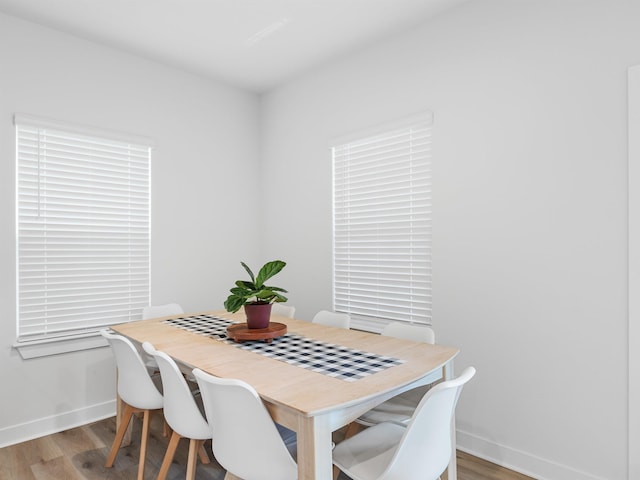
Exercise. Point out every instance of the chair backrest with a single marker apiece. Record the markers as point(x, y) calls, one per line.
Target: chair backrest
point(246, 441)
point(332, 319)
point(135, 386)
point(425, 446)
point(284, 310)
point(407, 331)
point(180, 408)
point(155, 311)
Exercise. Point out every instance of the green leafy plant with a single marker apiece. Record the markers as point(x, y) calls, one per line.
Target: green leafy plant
point(255, 291)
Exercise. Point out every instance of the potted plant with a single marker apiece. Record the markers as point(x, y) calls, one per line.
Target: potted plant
point(255, 296)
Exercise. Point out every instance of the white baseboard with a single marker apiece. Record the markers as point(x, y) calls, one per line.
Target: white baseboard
point(511, 458)
point(517, 460)
point(56, 423)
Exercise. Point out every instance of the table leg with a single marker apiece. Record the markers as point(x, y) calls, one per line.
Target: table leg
point(314, 449)
point(452, 470)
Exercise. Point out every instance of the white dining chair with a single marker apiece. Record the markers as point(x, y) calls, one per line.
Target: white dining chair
point(283, 310)
point(138, 393)
point(246, 440)
point(332, 319)
point(400, 408)
point(157, 311)
point(182, 413)
point(409, 331)
point(419, 451)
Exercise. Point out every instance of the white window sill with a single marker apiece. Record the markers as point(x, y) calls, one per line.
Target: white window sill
point(372, 325)
point(369, 325)
point(56, 346)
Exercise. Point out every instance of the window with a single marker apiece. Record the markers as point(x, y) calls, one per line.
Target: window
point(382, 225)
point(82, 229)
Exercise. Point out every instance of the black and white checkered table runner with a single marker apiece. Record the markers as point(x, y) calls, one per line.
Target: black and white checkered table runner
point(209, 325)
point(329, 359)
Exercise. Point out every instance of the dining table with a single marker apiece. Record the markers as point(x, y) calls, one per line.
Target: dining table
point(313, 379)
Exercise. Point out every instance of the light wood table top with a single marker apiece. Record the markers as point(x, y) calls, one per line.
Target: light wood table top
point(311, 403)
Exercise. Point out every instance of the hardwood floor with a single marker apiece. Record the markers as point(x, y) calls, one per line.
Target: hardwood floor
point(80, 454)
point(474, 468)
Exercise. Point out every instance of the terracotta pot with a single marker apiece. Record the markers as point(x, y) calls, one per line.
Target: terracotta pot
point(258, 315)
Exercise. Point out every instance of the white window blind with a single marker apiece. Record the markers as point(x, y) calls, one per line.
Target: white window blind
point(83, 229)
point(382, 226)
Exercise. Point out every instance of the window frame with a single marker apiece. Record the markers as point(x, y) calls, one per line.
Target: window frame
point(375, 323)
point(84, 336)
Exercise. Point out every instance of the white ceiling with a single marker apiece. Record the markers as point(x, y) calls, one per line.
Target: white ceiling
point(254, 44)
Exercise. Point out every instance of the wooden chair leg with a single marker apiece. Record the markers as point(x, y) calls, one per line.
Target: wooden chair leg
point(168, 456)
point(352, 429)
point(202, 453)
point(231, 476)
point(192, 459)
point(143, 444)
point(122, 430)
point(120, 406)
point(336, 472)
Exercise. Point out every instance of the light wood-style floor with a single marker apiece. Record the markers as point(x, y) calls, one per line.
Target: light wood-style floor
point(80, 454)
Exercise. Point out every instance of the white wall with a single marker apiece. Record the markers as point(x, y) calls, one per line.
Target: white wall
point(530, 166)
point(206, 150)
point(529, 99)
